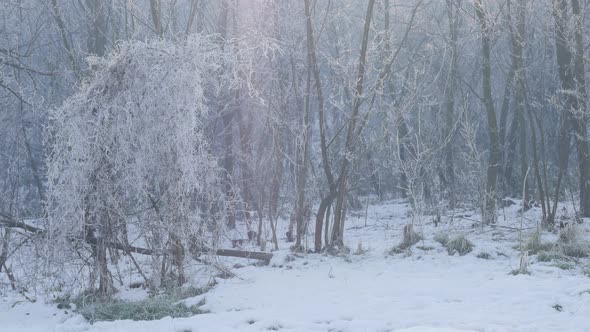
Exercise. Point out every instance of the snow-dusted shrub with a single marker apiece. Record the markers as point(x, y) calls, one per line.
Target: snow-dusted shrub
point(578, 249)
point(565, 252)
point(516, 272)
point(128, 153)
point(360, 250)
point(564, 265)
point(547, 256)
point(570, 245)
point(523, 267)
point(409, 237)
point(425, 248)
point(524, 262)
point(155, 307)
point(441, 238)
point(568, 234)
point(535, 244)
point(484, 255)
point(459, 245)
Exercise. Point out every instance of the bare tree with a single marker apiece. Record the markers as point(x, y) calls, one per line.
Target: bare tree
point(489, 203)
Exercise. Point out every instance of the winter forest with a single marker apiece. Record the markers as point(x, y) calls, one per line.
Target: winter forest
point(294, 165)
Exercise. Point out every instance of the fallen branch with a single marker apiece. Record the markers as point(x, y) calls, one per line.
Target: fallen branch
point(262, 256)
point(19, 224)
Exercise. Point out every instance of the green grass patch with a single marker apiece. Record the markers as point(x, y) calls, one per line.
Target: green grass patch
point(564, 265)
point(535, 244)
point(425, 248)
point(574, 249)
point(516, 272)
point(94, 308)
point(547, 256)
point(459, 245)
point(484, 255)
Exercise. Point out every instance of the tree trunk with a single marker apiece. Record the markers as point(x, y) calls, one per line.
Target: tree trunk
point(156, 11)
point(511, 186)
point(581, 116)
point(518, 41)
point(374, 175)
point(495, 158)
point(313, 64)
point(349, 146)
point(403, 149)
point(571, 74)
point(97, 27)
point(453, 16)
point(227, 117)
point(302, 161)
point(322, 212)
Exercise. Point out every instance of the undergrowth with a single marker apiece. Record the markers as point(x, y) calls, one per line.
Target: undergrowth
point(460, 245)
point(168, 303)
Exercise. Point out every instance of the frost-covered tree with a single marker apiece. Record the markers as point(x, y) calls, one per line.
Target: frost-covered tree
point(128, 154)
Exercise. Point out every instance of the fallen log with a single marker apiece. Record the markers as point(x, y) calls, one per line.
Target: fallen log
point(262, 256)
point(257, 255)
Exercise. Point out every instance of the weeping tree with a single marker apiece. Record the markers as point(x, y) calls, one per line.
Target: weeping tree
point(128, 156)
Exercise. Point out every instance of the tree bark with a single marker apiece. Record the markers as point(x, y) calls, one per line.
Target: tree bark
point(518, 41)
point(349, 147)
point(313, 64)
point(227, 118)
point(495, 158)
point(581, 116)
point(453, 17)
point(156, 12)
point(97, 27)
point(64, 36)
point(571, 74)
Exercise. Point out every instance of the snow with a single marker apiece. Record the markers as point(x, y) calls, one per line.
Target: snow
point(425, 291)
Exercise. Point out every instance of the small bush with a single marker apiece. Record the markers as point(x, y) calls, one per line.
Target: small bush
point(564, 265)
point(484, 255)
point(425, 248)
point(524, 263)
point(574, 249)
point(569, 245)
point(535, 244)
point(360, 250)
point(516, 272)
point(459, 245)
point(396, 250)
point(547, 256)
point(409, 237)
point(441, 238)
point(568, 234)
point(399, 251)
point(523, 267)
point(337, 251)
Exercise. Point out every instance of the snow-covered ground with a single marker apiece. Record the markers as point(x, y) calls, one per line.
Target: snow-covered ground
point(417, 291)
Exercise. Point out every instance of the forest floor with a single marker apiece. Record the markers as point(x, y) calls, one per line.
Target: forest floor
point(417, 290)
